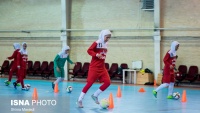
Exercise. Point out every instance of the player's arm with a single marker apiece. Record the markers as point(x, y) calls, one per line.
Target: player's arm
point(13, 55)
point(55, 60)
point(69, 60)
point(55, 63)
point(166, 61)
point(91, 49)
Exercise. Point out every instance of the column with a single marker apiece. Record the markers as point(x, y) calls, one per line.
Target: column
point(66, 24)
point(157, 38)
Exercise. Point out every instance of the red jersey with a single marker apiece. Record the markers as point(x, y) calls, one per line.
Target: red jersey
point(169, 60)
point(14, 56)
point(93, 50)
point(22, 60)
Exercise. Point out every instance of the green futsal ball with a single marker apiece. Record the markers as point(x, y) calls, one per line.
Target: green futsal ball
point(104, 103)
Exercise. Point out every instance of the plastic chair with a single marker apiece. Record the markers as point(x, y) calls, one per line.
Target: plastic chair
point(192, 74)
point(75, 70)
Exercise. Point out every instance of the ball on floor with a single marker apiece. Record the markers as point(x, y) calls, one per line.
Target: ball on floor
point(176, 95)
point(69, 89)
point(104, 103)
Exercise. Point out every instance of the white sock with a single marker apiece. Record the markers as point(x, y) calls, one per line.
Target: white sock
point(81, 96)
point(170, 88)
point(59, 79)
point(96, 94)
point(162, 86)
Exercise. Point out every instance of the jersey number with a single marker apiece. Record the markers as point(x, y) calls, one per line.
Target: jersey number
point(100, 44)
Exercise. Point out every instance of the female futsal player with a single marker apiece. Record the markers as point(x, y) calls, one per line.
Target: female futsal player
point(97, 70)
point(59, 63)
point(14, 65)
point(168, 72)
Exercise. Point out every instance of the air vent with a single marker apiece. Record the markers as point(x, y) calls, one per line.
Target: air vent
point(148, 5)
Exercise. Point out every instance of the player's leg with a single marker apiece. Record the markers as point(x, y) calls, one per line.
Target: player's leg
point(59, 78)
point(104, 77)
point(19, 74)
point(62, 74)
point(171, 87)
point(15, 69)
point(22, 79)
point(159, 88)
point(166, 81)
point(12, 69)
point(90, 80)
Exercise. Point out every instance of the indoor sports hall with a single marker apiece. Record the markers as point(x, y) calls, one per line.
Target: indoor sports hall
point(99, 56)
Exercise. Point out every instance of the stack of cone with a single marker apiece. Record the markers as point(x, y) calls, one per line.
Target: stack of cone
point(155, 83)
point(56, 88)
point(119, 94)
point(111, 103)
point(141, 90)
point(35, 95)
point(184, 98)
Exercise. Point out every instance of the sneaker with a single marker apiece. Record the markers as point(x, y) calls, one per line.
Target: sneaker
point(7, 83)
point(95, 99)
point(15, 85)
point(25, 88)
point(18, 84)
point(169, 97)
point(79, 103)
point(155, 93)
point(53, 85)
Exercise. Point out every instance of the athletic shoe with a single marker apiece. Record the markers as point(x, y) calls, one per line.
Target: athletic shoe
point(7, 83)
point(53, 85)
point(25, 88)
point(95, 99)
point(15, 85)
point(18, 84)
point(79, 103)
point(155, 93)
point(169, 97)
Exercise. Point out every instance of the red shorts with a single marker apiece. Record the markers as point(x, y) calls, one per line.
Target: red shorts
point(98, 74)
point(168, 78)
point(168, 75)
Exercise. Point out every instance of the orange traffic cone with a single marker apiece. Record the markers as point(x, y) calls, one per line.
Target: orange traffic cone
point(119, 94)
point(56, 88)
point(141, 90)
point(35, 95)
point(184, 98)
point(111, 103)
point(155, 83)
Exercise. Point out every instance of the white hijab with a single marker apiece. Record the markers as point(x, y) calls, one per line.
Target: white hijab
point(16, 45)
point(172, 51)
point(62, 53)
point(22, 50)
point(100, 42)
